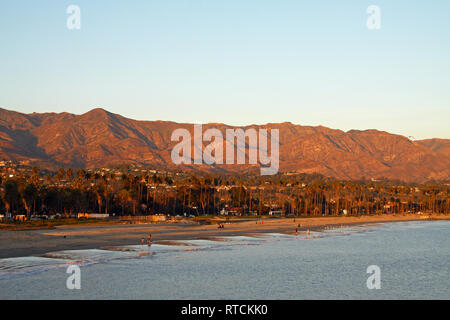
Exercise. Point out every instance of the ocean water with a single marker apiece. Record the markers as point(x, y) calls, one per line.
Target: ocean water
point(414, 259)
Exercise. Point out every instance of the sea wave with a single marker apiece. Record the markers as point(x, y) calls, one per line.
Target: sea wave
point(22, 266)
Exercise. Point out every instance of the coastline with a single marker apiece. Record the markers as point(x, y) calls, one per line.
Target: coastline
point(95, 236)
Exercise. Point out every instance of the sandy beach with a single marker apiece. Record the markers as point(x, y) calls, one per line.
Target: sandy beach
point(71, 237)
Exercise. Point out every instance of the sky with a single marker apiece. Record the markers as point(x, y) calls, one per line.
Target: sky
point(238, 62)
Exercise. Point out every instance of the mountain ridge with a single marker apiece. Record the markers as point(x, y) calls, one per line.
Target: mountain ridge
point(100, 138)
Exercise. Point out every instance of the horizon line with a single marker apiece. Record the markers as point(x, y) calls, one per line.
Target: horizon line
point(411, 138)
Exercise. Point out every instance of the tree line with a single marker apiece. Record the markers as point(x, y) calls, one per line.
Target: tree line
point(70, 191)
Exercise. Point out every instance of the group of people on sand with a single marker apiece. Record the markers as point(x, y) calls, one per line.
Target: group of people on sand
point(221, 226)
point(149, 240)
point(299, 226)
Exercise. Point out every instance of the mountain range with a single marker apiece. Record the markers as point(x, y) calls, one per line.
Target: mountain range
point(100, 138)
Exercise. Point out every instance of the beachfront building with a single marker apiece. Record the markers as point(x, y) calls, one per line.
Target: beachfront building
point(276, 213)
point(92, 215)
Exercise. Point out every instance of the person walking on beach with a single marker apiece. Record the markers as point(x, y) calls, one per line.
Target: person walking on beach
point(296, 231)
point(143, 240)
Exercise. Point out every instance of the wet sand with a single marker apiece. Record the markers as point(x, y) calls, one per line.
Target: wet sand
point(74, 237)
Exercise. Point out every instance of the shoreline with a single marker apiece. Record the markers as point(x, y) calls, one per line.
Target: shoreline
point(78, 237)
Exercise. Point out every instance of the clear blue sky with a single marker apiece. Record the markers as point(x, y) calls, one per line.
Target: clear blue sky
point(233, 61)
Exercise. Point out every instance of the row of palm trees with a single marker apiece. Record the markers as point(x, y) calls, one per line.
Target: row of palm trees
point(71, 191)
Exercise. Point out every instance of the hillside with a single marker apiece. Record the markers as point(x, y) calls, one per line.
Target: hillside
point(100, 138)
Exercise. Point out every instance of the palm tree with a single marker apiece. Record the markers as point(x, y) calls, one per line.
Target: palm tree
point(98, 190)
point(124, 197)
point(10, 195)
point(28, 195)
